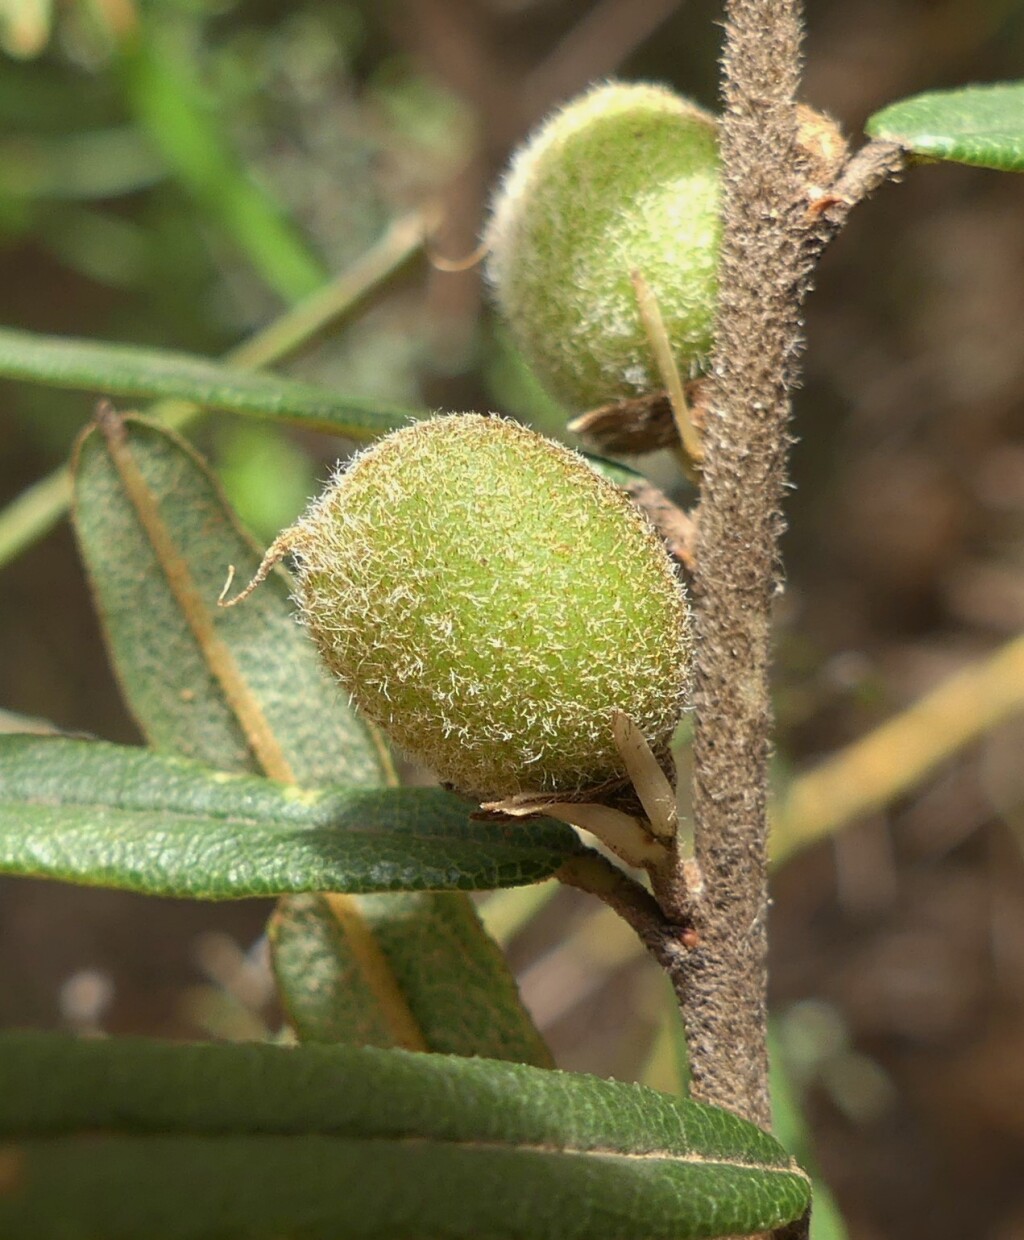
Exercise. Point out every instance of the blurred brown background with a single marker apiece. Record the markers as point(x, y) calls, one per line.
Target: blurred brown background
point(898, 943)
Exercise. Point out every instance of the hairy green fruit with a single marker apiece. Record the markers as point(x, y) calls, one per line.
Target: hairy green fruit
point(489, 601)
point(625, 179)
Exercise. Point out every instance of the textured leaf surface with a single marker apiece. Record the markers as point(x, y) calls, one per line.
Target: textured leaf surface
point(108, 815)
point(475, 1004)
point(138, 1139)
point(151, 609)
point(123, 370)
point(182, 708)
point(978, 125)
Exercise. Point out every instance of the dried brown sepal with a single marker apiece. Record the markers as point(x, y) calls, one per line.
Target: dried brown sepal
point(644, 424)
point(625, 835)
point(629, 427)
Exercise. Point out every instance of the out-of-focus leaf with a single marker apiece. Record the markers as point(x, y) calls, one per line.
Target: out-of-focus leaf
point(315, 738)
point(108, 815)
point(28, 516)
point(167, 99)
point(978, 125)
point(668, 1060)
point(12, 721)
point(123, 370)
point(190, 1142)
point(790, 1127)
point(25, 26)
point(614, 471)
point(100, 163)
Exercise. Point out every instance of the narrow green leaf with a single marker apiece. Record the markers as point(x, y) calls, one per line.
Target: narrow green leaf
point(33, 513)
point(622, 475)
point(421, 937)
point(29, 515)
point(113, 816)
point(181, 707)
point(171, 1142)
point(325, 993)
point(162, 665)
point(146, 374)
point(978, 125)
point(13, 721)
point(482, 1008)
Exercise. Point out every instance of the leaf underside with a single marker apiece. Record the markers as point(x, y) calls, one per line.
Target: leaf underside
point(978, 125)
point(449, 974)
point(194, 1142)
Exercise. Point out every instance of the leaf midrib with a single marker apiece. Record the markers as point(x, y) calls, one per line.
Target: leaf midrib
point(193, 817)
point(692, 1158)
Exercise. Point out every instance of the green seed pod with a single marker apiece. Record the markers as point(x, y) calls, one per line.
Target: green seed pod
point(624, 179)
point(489, 601)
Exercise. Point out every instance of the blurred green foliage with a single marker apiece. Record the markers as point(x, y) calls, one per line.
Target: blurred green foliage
point(177, 173)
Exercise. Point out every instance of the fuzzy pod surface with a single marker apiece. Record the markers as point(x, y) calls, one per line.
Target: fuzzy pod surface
point(625, 178)
point(489, 601)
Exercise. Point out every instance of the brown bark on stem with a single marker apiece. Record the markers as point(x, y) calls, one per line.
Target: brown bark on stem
point(745, 442)
point(706, 926)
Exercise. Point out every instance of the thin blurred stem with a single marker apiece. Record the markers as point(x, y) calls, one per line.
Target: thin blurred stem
point(596, 46)
point(300, 324)
point(36, 510)
point(880, 766)
point(34, 513)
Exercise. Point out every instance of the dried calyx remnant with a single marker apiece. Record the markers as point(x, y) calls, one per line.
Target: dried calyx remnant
point(621, 185)
point(492, 604)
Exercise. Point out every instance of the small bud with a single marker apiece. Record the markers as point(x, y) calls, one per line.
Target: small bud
point(622, 181)
point(490, 602)
point(821, 148)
